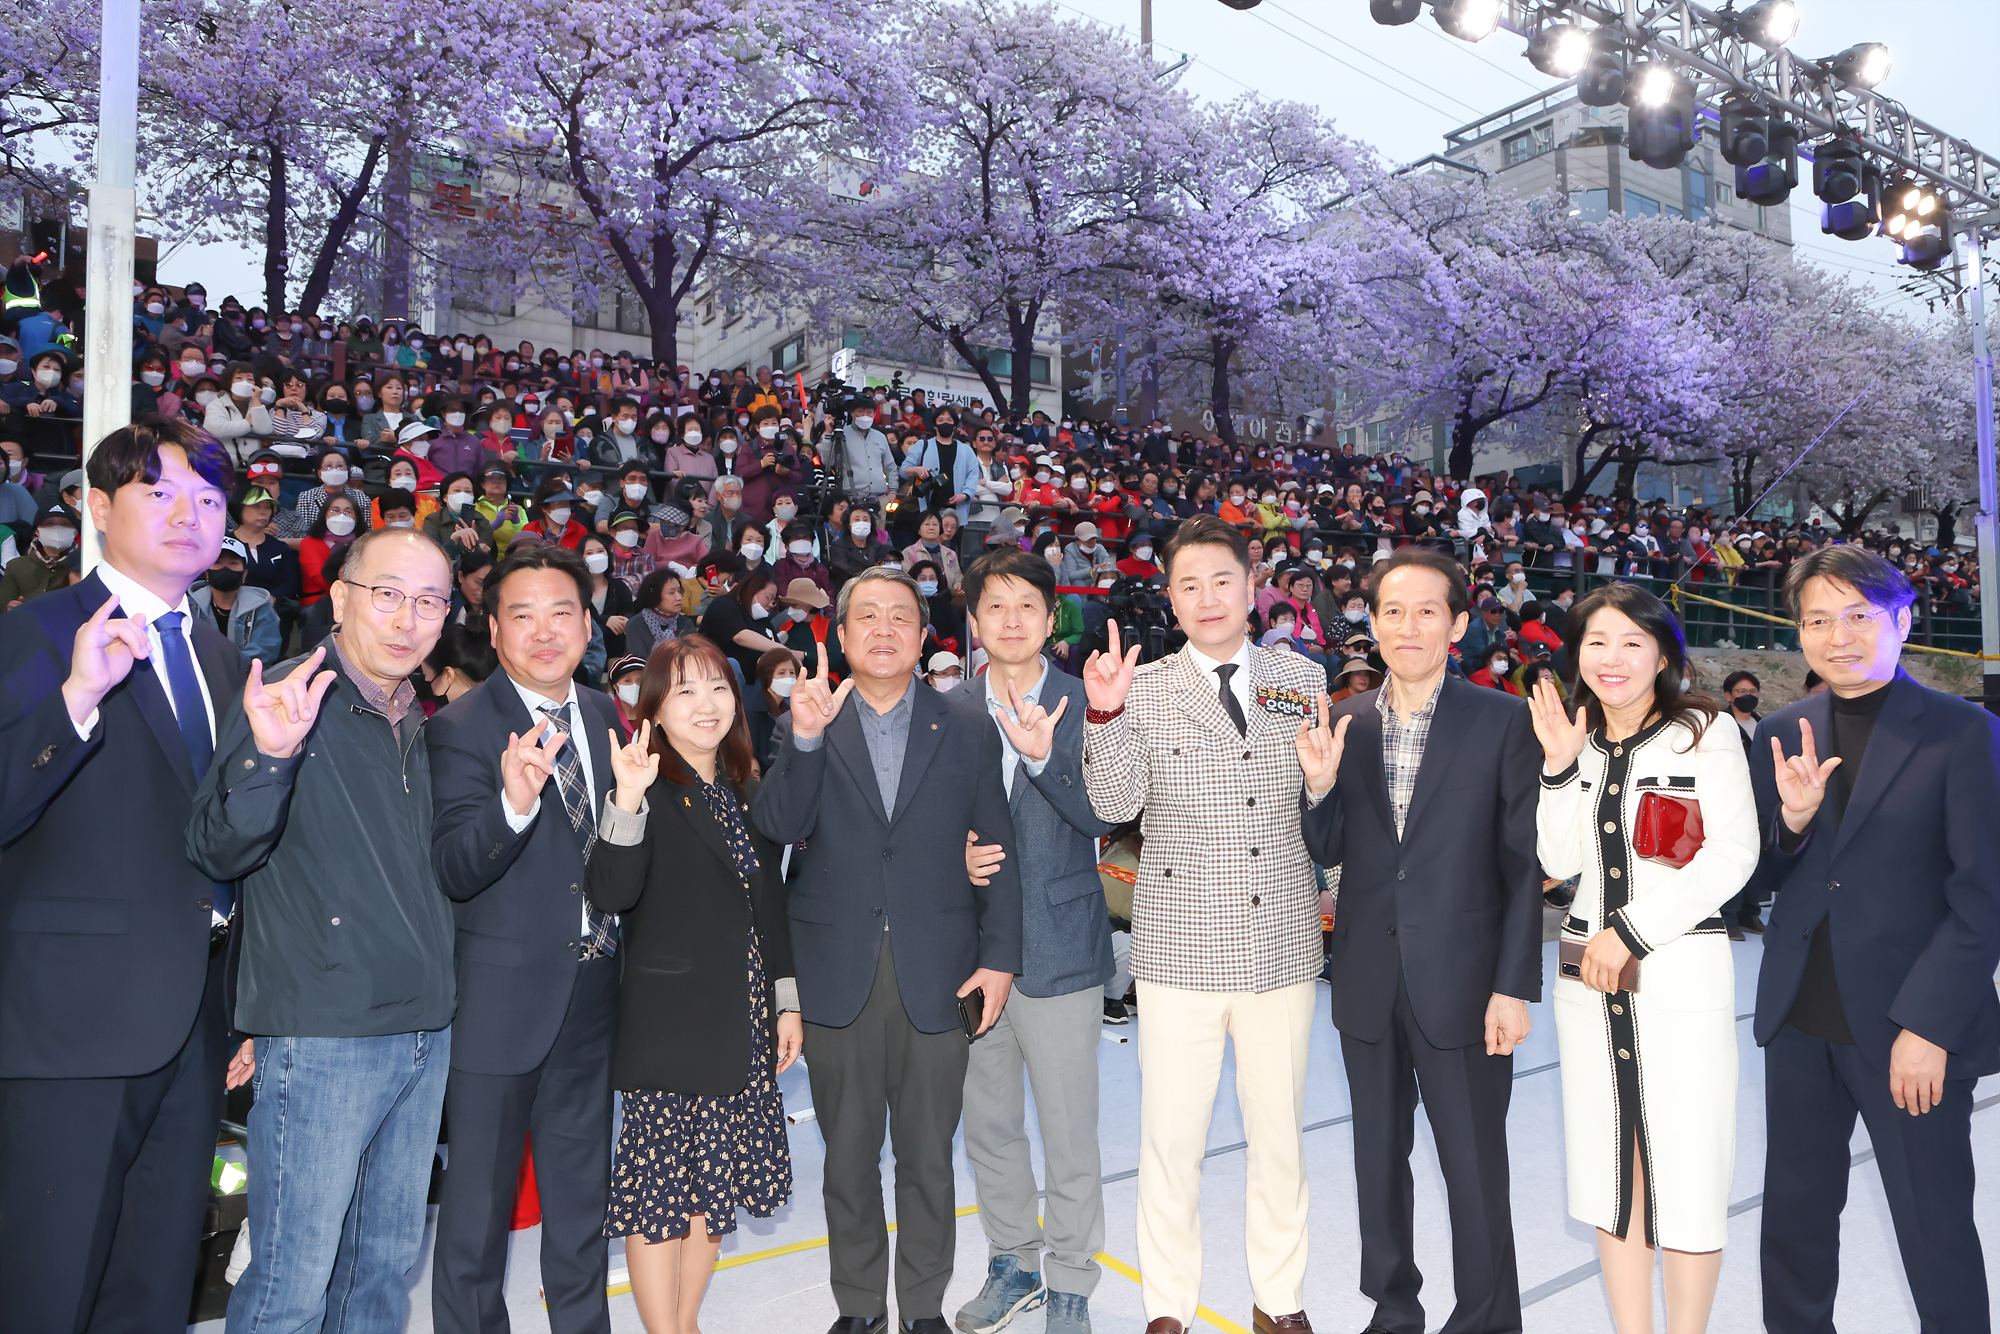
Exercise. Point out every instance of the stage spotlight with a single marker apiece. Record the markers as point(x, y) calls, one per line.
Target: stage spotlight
point(1744, 132)
point(1602, 83)
point(1836, 171)
point(1467, 20)
point(1243, 4)
point(1394, 12)
point(1907, 208)
point(1770, 181)
point(1926, 248)
point(1662, 125)
point(1769, 23)
point(1561, 50)
point(1856, 217)
point(1860, 66)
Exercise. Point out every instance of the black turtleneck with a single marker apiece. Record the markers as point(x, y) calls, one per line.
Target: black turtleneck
point(1817, 1009)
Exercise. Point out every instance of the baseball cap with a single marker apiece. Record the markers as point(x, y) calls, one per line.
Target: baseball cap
point(631, 662)
point(1086, 532)
point(943, 660)
point(232, 547)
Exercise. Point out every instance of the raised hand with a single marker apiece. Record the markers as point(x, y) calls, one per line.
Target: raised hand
point(1035, 734)
point(1801, 779)
point(1107, 676)
point(1562, 736)
point(103, 655)
point(981, 859)
point(1320, 747)
point(525, 766)
point(634, 767)
point(814, 702)
point(281, 714)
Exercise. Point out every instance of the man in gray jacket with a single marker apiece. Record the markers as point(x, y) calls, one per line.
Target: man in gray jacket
point(865, 463)
point(1055, 1013)
point(319, 802)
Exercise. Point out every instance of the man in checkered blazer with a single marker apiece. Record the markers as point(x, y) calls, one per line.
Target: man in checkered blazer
point(1225, 917)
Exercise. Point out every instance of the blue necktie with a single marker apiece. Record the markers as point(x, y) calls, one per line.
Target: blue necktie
point(192, 714)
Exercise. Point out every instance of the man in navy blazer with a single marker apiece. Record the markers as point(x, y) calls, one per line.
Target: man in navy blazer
point(888, 934)
point(520, 768)
point(1055, 1014)
point(113, 948)
point(1880, 804)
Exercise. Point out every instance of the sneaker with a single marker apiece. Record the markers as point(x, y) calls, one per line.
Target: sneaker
point(1067, 1313)
point(1009, 1291)
point(1115, 1012)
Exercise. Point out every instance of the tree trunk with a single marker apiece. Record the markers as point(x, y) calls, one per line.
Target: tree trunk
point(396, 225)
point(277, 203)
point(1742, 473)
point(338, 230)
point(1628, 474)
point(1219, 351)
point(1947, 522)
point(955, 335)
point(1464, 430)
point(1149, 381)
point(1021, 321)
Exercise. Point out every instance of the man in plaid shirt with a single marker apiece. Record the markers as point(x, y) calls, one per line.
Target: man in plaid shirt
point(1204, 747)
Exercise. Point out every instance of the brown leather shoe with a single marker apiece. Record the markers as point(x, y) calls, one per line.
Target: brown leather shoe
point(1166, 1324)
point(1295, 1323)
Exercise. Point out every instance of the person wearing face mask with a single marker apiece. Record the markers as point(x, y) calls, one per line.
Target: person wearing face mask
point(772, 463)
point(18, 502)
point(931, 546)
point(149, 385)
point(950, 631)
point(42, 399)
point(690, 455)
point(857, 550)
point(554, 521)
point(1085, 560)
point(455, 448)
point(243, 612)
point(44, 565)
point(740, 620)
point(613, 599)
point(944, 468)
point(777, 674)
point(336, 478)
point(631, 561)
point(622, 681)
point(630, 488)
point(861, 454)
point(944, 672)
point(1739, 689)
point(403, 490)
point(798, 560)
point(462, 659)
point(456, 524)
point(235, 416)
point(751, 545)
point(784, 512)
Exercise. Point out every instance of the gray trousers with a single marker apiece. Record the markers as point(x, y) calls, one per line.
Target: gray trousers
point(881, 1068)
point(1054, 1039)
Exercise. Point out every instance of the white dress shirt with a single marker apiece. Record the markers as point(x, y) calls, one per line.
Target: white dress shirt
point(1240, 682)
point(533, 701)
point(1011, 759)
point(134, 600)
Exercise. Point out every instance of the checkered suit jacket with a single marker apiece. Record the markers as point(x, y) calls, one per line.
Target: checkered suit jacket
point(1225, 899)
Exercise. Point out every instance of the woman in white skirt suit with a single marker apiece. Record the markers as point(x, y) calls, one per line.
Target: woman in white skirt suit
point(1649, 1075)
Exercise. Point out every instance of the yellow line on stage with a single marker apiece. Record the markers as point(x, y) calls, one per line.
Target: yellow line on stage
point(1111, 1262)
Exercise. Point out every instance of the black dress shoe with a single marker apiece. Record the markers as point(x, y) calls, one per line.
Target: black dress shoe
point(930, 1324)
point(860, 1324)
point(1752, 923)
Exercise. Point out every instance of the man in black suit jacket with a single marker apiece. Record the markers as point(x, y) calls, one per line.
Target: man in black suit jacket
point(1437, 945)
point(1876, 994)
point(517, 794)
point(113, 947)
point(888, 931)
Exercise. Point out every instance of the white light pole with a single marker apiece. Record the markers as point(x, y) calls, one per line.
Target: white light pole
point(1989, 502)
point(113, 224)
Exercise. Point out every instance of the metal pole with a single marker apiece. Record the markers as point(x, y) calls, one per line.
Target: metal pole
point(113, 222)
point(1989, 503)
point(1146, 28)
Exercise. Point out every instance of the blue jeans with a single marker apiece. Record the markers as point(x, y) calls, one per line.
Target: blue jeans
point(341, 1140)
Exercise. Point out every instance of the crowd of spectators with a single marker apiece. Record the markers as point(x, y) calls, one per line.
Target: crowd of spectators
point(737, 500)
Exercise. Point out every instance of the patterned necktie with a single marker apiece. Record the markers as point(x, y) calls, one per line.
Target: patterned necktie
point(192, 714)
point(1230, 705)
point(600, 929)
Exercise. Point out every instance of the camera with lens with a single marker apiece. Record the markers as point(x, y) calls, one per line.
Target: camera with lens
point(1140, 605)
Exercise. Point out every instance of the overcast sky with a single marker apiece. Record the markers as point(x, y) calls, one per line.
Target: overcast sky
point(1402, 88)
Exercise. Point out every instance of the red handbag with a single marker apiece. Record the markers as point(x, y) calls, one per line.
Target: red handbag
point(1668, 829)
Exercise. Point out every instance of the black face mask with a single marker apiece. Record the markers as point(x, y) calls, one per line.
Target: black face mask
point(946, 430)
point(225, 581)
point(1744, 703)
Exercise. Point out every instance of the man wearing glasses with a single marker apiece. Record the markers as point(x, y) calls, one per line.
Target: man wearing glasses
point(1876, 998)
point(319, 804)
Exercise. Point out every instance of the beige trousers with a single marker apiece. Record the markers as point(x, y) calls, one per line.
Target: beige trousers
point(1181, 1034)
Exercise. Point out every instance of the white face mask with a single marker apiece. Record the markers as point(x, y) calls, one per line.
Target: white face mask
point(768, 432)
point(340, 525)
point(752, 553)
point(403, 483)
point(661, 436)
point(458, 500)
point(786, 513)
point(334, 476)
point(1079, 484)
point(47, 376)
point(802, 550)
point(1142, 553)
point(151, 379)
point(419, 448)
point(760, 613)
point(190, 370)
point(205, 397)
point(242, 389)
point(861, 527)
point(58, 538)
point(454, 419)
point(864, 420)
point(626, 538)
point(156, 308)
point(730, 501)
point(559, 518)
point(628, 692)
point(946, 684)
point(727, 446)
point(597, 562)
point(635, 492)
point(781, 686)
point(267, 396)
point(691, 436)
point(1042, 478)
point(15, 467)
point(401, 523)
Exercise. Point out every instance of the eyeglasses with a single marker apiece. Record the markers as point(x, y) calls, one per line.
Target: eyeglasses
point(387, 599)
point(1857, 623)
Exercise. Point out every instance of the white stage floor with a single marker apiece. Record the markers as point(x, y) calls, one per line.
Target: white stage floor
point(773, 1272)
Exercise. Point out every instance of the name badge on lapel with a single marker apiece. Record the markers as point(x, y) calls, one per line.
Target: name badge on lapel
point(1283, 703)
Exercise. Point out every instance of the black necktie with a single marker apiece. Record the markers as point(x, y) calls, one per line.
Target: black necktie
point(191, 712)
point(1229, 704)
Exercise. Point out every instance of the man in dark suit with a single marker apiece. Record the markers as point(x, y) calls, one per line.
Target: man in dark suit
point(1437, 947)
point(519, 769)
point(889, 934)
point(1876, 993)
point(113, 947)
point(1053, 1022)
